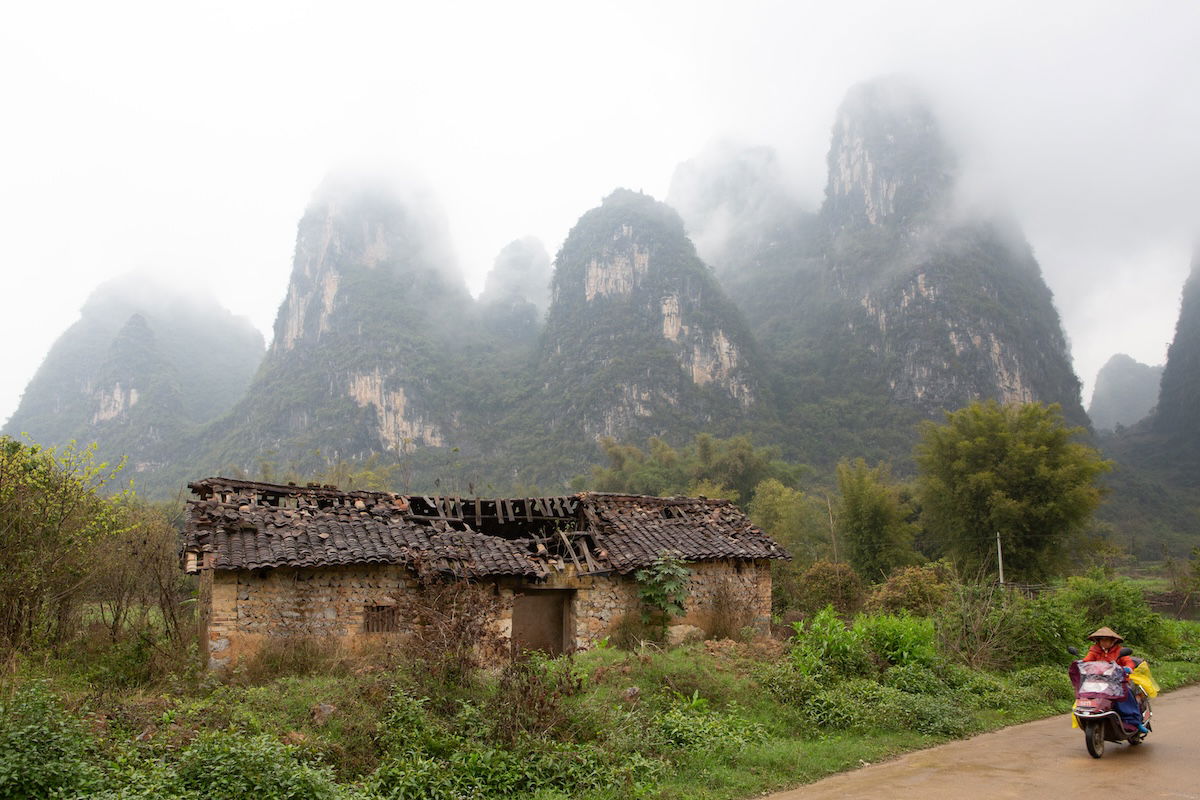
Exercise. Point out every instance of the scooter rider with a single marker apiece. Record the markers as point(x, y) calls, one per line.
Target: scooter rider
point(1106, 646)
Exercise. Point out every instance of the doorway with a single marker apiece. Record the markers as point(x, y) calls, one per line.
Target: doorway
point(541, 620)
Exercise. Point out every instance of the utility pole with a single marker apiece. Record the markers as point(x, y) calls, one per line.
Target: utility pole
point(1000, 557)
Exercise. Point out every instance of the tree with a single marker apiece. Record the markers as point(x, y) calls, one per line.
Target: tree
point(797, 522)
point(873, 521)
point(1012, 470)
point(51, 521)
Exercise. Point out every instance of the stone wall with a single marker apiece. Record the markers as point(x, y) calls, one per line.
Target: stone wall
point(247, 607)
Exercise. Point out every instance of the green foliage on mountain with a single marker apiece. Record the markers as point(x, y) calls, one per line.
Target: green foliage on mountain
point(142, 369)
point(1178, 413)
point(1155, 490)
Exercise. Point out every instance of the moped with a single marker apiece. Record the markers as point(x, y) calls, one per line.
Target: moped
point(1098, 686)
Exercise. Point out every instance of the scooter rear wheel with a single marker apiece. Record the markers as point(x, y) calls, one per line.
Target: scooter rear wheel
point(1093, 737)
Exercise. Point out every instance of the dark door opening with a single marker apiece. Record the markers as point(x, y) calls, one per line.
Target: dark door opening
point(540, 621)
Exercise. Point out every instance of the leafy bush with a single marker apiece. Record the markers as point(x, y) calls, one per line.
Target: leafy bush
point(783, 681)
point(1045, 684)
point(827, 583)
point(914, 678)
point(1120, 605)
point(919, 590)
point(825, 645)
point(43, 749)
point(897, 639)
point(662, 587)
point(689, 725)
point(1042, 628)
point(225, 765)
point(530, 694)
point(936, 715)
point(858, 703)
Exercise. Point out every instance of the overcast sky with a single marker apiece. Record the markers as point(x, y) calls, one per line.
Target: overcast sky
point(186, 139)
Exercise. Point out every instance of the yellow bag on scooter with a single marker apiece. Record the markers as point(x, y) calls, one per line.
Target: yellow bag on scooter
point(1141, 676)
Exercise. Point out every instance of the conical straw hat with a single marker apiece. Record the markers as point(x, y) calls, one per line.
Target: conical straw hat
point(1108, 633)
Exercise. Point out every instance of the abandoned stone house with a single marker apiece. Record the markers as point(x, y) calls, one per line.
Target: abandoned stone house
point(280, 561)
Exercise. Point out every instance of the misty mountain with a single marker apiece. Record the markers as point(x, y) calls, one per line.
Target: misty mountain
point(1125, 392)
point(733, 201)
point(1153, 499)
point(516, 292)
point(143, 366)
point(367, 340)
point(888, 305)
point(640, 339)
point(1178, 414)
point(829, 332)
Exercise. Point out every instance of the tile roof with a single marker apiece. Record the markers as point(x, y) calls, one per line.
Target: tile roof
point(236, 524)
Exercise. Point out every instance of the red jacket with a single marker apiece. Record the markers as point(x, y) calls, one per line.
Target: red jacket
point(1096, 653)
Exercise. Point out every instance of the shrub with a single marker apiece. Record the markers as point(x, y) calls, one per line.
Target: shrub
point(783, 681)
point(1045, 684)
point(1042, 628)
point(976, 628)
point(935, 715)
point(919, 590)
point(824, 645)
point(689, 725)
point(662, 588)
point(225, 765)
point(454, 630)
point(827, 583)
point(857, 703)
point(898, 639)
point(1120, 605)
point(43, 749)
point(530, 694)
point(915, 678)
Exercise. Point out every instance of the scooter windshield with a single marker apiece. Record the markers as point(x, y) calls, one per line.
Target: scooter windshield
point(1098, 679)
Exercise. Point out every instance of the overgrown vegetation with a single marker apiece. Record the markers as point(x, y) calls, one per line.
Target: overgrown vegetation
point(715, 719)
point(102, 697)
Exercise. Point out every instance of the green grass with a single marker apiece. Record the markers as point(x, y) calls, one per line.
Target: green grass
point(701, 722)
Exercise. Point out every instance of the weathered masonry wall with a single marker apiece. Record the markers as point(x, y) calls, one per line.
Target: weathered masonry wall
point(247, 607)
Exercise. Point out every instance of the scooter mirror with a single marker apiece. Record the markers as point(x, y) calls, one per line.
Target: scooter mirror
point(1073, 651)
point(1126, 651)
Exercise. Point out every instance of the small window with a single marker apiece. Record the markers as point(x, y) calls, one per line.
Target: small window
point(381, 619)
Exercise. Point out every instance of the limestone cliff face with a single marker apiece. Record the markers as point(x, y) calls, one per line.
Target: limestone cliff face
point(640, 319)
point(374, 313)
point(971, 319)
point(888, 161)
point(357, 225)
point(883, 306)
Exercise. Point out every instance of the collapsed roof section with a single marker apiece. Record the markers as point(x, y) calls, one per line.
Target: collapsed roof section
point(234, 524)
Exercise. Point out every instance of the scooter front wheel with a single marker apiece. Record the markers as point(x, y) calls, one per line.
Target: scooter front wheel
point(1093, 737)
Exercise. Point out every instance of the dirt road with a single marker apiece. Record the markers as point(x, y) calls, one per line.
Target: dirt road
point(1043, 759)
